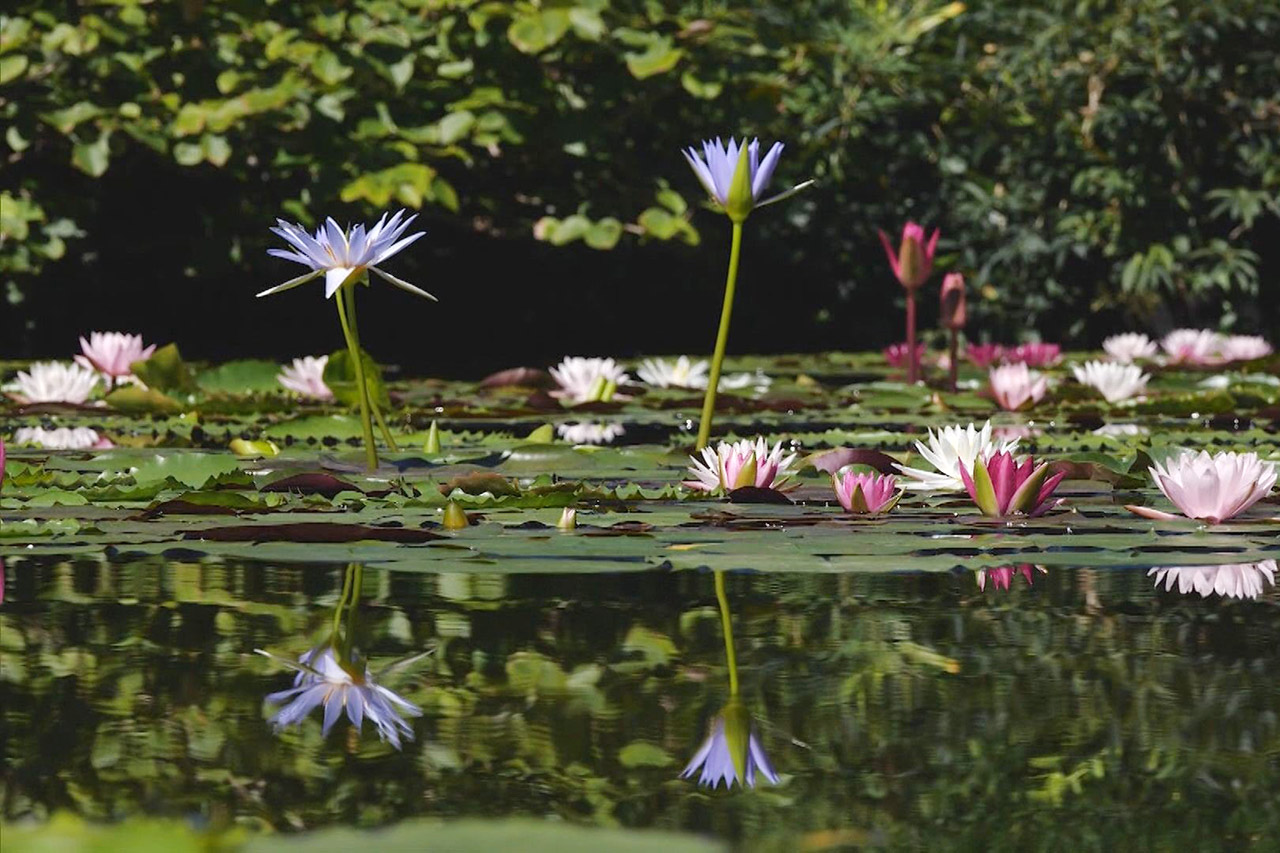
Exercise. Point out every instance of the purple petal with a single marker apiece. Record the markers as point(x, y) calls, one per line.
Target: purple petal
point(764, 174)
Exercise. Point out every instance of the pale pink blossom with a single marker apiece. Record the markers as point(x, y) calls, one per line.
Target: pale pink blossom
point(1210, 488)
point(1193, 346)
point(306, 377)
point(1235, 580)
point(1014, 386)
point(1245, 347)
point(1130, 347)
point(113, 353)
point(734, 465)
point(861, 492)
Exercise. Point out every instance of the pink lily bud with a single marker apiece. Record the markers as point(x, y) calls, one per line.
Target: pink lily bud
point(913, 262)
point(953, 314)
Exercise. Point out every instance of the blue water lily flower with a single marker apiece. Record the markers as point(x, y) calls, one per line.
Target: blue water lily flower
point(342, 256)
point(716, 165)
point(731, 753)
point(323, 680)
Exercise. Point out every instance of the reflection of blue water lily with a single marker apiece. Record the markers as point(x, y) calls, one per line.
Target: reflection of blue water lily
point(323, 680)
point(731, 752)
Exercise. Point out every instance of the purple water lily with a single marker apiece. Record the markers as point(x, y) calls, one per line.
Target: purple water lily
point(731, 753)
point(716, 165)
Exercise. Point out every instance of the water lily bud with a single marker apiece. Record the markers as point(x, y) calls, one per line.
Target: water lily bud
point(432, 445)
point(568, 519)
point(545, 434)
point(454, 517)
point(741, 200)
point(953, 307)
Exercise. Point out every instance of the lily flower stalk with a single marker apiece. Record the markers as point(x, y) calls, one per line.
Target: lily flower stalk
point(1001, 487)
point(954, 315)
point(912, 264)
point(346, 258)
point(732, 752)
point(735, 177)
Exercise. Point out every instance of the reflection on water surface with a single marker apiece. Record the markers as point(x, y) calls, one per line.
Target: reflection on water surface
point(1069, 709)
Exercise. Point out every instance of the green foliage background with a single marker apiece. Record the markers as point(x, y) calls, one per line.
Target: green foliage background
point(1093, 165)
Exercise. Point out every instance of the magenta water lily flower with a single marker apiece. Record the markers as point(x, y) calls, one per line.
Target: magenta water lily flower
point(899, 356)
point(113, 353)
point(1210, 487)
point(732, 753)
point(1002, 487)
point(739, 465)
point(984, 355)
point(1035, 354)
point(1002, 577)
point(865, 493)
point(343, 256)
point(1014, 386)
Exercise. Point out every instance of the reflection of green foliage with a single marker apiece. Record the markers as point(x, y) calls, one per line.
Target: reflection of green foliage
point(131, 687)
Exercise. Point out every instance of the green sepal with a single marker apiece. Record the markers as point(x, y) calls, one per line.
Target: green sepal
point(1024, 498)
point(432, 444)
point(984, 491)
point(737, 734)
point(858, 501)
point(746, 476)
point(741, 202)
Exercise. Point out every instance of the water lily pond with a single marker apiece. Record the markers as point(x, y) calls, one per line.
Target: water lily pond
point(192, 601)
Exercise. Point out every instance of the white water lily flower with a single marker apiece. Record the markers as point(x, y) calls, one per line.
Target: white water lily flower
point(1238, 580)
point(1245, 347)
point(948, 449)
point(586, 433)
point(62, 438)
point(758, 382)
point(1114, 381)
point(306, 377)
point(584, 380)
point(682, 373)
point(1120, 430)
point(1193, 346)
point(734, 465)
point(325, 681)
point(53, 382)
point(1130, 347)
point(342, 256)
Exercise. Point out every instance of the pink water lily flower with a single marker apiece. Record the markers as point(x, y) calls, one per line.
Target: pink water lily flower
point(1014, 386)
point(1002, 487)
point(113, 353)
point(1193, 346)
point(1035, 355)
point(984, 355)
point(1210, 488)
point(865, 493)
point(1245, 347)
point(1001, 577)
point(735, 465)
point(305, 376)
point(912, 261)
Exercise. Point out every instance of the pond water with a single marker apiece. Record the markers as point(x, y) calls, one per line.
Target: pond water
point(1085, 679)
point(1091, 706)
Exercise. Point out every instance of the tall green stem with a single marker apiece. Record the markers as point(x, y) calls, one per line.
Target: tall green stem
point(722, 338)
point(727, 623)
point(342, 602)
point(373, 404)
point(357, 364)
